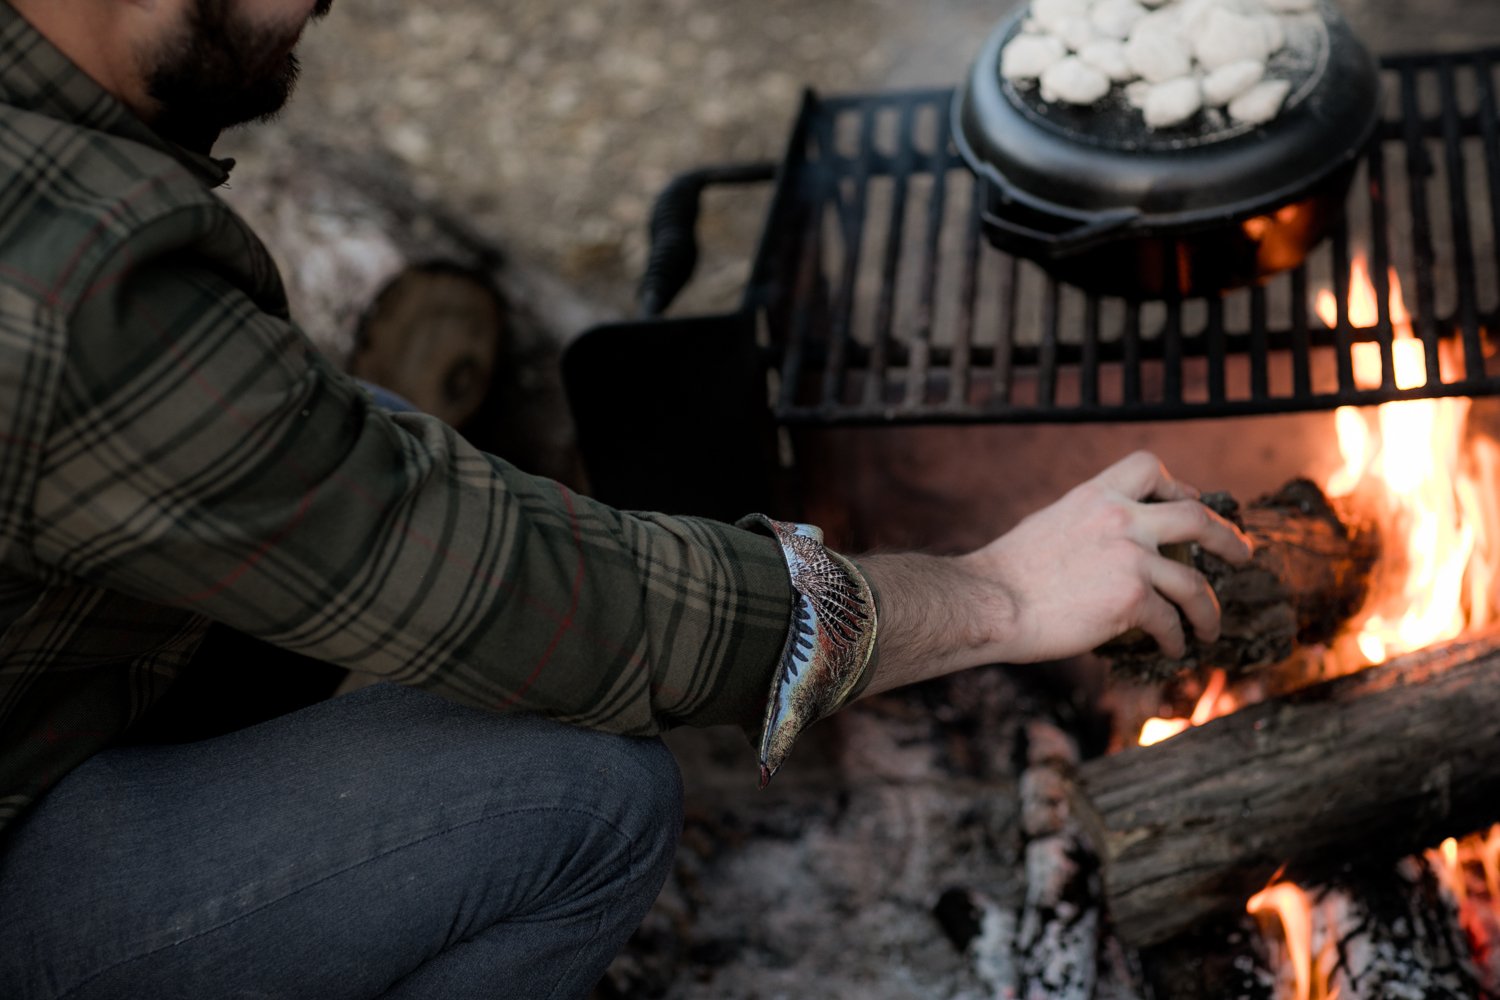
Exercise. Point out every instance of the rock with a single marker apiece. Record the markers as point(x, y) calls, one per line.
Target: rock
point(1291, 6)
point(1136, 94)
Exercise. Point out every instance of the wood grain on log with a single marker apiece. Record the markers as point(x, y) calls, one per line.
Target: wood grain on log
point(1373, 766)
point(1309, 575)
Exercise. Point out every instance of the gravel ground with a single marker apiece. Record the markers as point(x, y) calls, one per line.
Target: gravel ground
point(552, 126)
point(549, 128)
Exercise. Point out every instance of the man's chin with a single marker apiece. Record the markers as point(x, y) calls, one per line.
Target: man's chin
point(193, 117)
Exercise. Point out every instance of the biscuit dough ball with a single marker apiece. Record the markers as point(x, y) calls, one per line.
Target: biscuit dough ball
point(1115, 18)
point(1157, 54)
point(1228, 82)
point(1108, 57)
point(1073, 81)
point(1027, 57)
point(1172, 103)
point(1260, 103)
point(1224, 37)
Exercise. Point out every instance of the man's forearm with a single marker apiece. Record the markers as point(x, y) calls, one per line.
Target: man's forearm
point(936, 617)
point(1063, 581)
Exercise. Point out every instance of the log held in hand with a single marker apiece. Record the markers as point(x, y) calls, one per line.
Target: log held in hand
point(1378, 764)
point(1309, 575)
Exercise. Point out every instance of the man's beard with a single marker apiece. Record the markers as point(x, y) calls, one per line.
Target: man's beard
point(221, 72)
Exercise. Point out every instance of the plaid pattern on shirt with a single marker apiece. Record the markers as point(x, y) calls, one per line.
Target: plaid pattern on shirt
point(174, 451)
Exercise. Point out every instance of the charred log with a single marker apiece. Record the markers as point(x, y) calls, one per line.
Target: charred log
point(1373, 766)
point(1309, 575)
point(1394, 934)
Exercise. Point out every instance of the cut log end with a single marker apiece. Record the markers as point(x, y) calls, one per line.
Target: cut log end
point(433, 335)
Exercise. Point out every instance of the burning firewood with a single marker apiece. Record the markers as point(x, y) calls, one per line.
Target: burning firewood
point(1309, 575)
point(1376, 765)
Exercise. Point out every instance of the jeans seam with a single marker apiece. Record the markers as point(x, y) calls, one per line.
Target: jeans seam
point(630, 868)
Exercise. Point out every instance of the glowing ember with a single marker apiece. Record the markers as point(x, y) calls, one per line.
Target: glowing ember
point(1213, 703)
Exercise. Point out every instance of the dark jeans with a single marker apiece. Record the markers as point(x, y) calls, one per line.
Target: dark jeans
point(383, 844)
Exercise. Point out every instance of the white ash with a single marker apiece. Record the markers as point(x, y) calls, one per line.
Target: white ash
point(1260, 103)
point(1073, 81)
point(1228, 82)
point(1173, 102)
point(1237, 53)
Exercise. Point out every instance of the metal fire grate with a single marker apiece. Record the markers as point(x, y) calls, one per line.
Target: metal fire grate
point(881, 301)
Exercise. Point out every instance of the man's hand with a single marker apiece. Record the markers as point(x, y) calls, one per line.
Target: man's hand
point(1065, 580)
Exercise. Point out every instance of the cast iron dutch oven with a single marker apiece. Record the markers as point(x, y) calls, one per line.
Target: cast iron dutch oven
point(1109, 205)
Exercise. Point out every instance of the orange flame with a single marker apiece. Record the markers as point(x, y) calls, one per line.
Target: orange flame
point(1414, 453)
point(1213, 703)
point(1288, 904)
point(1438, 490)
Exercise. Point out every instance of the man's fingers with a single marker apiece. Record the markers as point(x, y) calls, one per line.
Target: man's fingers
point(1186, 588)
point(1159, 619)
point(1190, 521)
point(1141, 476)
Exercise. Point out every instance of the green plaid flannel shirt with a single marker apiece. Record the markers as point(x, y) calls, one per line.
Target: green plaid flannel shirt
point(174, 451)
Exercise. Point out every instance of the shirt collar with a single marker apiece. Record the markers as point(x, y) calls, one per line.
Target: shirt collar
point(35, 76)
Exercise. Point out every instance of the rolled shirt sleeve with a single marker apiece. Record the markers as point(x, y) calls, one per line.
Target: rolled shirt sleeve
point(202, 455)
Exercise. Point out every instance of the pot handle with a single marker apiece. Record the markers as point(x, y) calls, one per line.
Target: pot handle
point(1029, 242)
point(674, 236)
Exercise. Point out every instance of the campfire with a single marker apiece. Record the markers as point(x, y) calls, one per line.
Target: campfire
point(1414, 470)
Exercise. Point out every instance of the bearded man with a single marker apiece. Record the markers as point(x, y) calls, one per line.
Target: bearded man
point(173, 454)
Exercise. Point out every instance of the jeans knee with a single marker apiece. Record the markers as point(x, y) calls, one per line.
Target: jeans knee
point(655, 804)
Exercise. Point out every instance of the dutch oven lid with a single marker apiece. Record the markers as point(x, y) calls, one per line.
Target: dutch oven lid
point(1084, 163)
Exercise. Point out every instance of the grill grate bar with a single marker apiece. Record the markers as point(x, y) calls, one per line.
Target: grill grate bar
point(922, 347)
point(1047, 352)
point(1260, 380)
point(1004, 332)
point(885, 310)
point(1088, 389)
point(1419, 170)
point(897, 308)
point(1343, 329)
point(1301, 348)
point(1489, 132)
point(1463, 245)
point(959, 391)
point(1380, 268)
point(853, 219)
point(1172, 357)
point(1132, 337)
